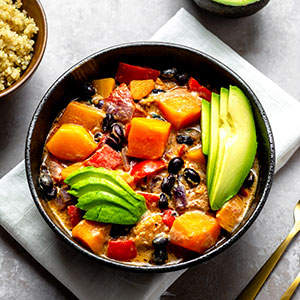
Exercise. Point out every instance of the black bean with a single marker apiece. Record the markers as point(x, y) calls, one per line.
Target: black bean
point(249, 179)
point(51, 194)
point(182, 78)
point(117, 132)
point(184, 139)
point(168, 73)
point(160, 256)
point(100, 104)
point(110, 141)
point(191, 176)
point(88, 89)
point(163, 202)
point(157, 116)
point(44, 169)
point(107, 122)
point(168, 183)
point(97, 137)
point(118, 230)
point(175, 165)
point(46, 183)
point(157, 91)
point(160, 242)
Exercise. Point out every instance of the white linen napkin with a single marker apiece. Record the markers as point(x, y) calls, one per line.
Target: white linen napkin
point(89, 280)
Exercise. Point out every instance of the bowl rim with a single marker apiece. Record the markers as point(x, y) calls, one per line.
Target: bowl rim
point(168, 267)
point(31, 68)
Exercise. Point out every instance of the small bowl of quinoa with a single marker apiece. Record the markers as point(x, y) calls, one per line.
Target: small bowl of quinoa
point(23, 37)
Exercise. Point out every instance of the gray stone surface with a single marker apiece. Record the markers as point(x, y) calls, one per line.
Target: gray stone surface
point(269, 40)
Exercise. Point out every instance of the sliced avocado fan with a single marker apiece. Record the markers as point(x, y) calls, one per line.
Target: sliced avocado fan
point(236, 146)
point(105, 196)
point(236, 2)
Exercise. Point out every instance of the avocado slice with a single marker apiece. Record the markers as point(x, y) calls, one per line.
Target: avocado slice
point(236, 148)
point(97, 198)
point(92, 172)
point(91, 184)
point(91, 190)
point(105, 196)
point(205, 125)
point(236, 2)
point(213, 137)
point(107, 213)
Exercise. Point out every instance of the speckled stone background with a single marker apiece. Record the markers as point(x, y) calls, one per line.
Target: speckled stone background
point(270, 40)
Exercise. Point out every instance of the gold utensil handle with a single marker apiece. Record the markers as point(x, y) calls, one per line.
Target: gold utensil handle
point(259, 279)
point(290, 291)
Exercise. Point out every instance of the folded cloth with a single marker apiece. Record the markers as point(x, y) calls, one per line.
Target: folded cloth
point(90, 280)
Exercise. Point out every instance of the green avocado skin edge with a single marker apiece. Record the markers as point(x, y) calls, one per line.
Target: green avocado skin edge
point(213, 138)
point(205, 125)
point(236, 2)
point(105, 196)
point(236, 147)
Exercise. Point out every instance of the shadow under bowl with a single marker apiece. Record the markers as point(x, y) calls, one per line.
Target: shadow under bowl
point(158, 56)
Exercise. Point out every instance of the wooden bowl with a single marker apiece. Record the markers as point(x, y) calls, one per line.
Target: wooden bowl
point(35, 10)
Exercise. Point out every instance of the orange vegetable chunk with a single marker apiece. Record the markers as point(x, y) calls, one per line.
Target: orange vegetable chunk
point(180, 107)
point(104, 86)
point(71, 142)
point(70, 169)
point(147, 138)
point(196, 155)
point(82, 114)
point(91, 234)
point(195, 231)
point(141, 88)
point(232, 213)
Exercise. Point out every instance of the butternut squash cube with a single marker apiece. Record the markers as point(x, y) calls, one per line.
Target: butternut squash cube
point(82, 114)
point(104, 86)
point(71, 142)
point(195, 231)
point(147, 138)
point(232, 213)
point(180, 107)
point(91, 234)
point(141, 88)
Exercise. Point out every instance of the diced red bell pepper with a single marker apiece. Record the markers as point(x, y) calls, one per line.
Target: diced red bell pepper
point(120, 103)
point(75, 215)
point(146, 168)
point(127, 129)
point(121, 249)
point(169, 217)
point(127, 73)
point(203, 91)
point(151, 199)
point(105, 157)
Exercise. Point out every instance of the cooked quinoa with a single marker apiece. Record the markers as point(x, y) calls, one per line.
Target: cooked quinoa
point(16, 41)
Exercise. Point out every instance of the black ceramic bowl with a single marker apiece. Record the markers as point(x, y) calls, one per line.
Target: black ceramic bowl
point(230, 11)
point(158, 56)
